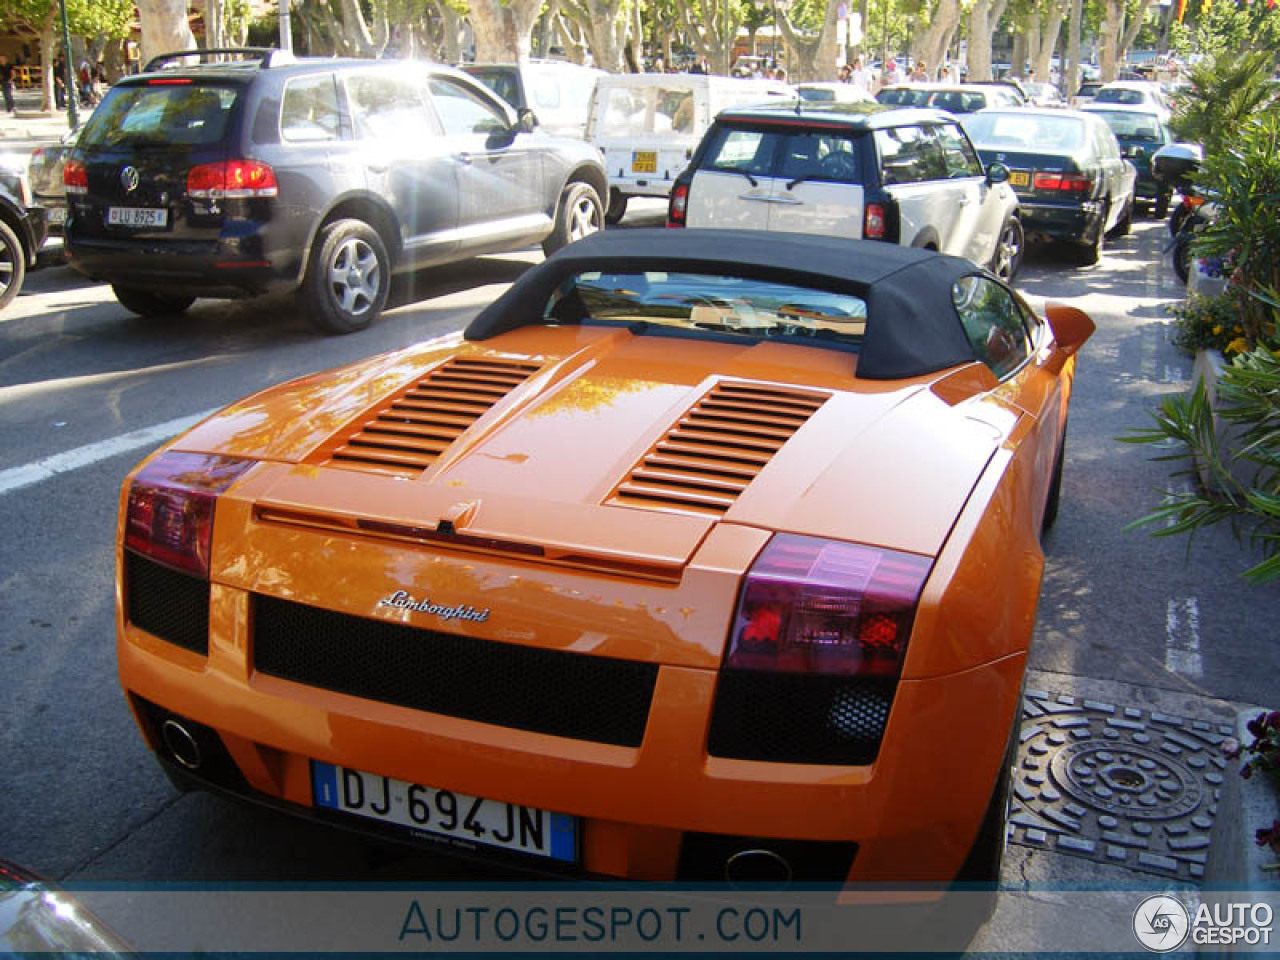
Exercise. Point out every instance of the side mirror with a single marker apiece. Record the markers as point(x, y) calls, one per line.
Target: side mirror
point(1071, 328)
point(527, 120)
point(997, 173)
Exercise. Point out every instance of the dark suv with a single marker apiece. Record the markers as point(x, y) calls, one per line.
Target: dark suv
point(273, 174)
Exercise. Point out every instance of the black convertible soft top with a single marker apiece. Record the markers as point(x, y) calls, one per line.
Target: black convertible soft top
point(912, 324)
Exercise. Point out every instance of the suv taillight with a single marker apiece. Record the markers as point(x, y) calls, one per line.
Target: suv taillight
point(826, 607)
point(169, 516)
point(231, 179)
point(679, 205)
point(873, 222)
point(1071, 182)
point(75, 177)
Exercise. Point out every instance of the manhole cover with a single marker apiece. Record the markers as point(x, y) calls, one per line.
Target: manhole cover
point(1117, 784)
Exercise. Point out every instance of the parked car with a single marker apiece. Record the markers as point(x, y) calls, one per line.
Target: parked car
point(319, 176)
point(557, 91)
point(832, 93)
point(1140, 131)
point(904, 176)
point(905, 94)
point(1066, 166)
point(1042, 94)
point(970, 98)
point(22, 226)
point(1088, 90)
point(1134, 93)
point(45, 173)
point(698, 556)
point(646, 125)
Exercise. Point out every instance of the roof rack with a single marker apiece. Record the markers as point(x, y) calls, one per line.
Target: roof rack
point(266, 56)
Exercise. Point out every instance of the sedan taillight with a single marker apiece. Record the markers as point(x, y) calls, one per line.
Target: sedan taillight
point(824, 607)
point(679, 205)
point(1070, 182)
point(169, 516)
point(231, 179)
point(75, 177)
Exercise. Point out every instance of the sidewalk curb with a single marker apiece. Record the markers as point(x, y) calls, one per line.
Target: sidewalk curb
point(1235, 860)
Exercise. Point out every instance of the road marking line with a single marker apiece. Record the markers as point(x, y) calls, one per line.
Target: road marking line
point(15, 478)
point(1182, 644)
point(1178, 489)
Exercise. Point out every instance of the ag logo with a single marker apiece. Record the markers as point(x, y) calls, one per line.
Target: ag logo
point(1161, 923)
point(129, 179)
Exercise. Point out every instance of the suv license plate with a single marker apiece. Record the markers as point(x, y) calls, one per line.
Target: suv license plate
point(1019, 178)
point(55, 216)
point(445, 813)
point(137, 216)
point(644, 161)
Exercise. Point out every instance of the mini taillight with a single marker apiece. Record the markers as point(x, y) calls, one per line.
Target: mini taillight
point(231, 179)
point(1071, 182)
point(678, 206)
point(169, 516)
point(873, 222)
point(1193, 201)
point(820, 606)
point(75, 177)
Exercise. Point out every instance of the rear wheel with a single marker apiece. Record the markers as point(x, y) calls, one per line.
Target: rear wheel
point(579, 215)
point(1125, 223)
point(145, 303)
point(1055, 486)
point(1091, 252)
point(1008, 256)
point(617, 208)
point(1182, 256)
point(13, 265)
point(348, 278)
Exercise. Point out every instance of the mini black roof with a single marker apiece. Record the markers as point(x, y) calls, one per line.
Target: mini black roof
point(912, 324)
point(862, 115)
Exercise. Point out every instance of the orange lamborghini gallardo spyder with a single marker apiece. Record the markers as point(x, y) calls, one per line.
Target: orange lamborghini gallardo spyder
point(697, 555)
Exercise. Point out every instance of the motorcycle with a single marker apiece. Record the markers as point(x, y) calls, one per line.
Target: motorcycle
point(1175, 164)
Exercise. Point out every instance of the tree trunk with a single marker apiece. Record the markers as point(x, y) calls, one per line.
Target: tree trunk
point(1135, 25)
point(49, 45)
point(1051, 27)
point(213, 32)
point(1112, 27)
point(812, 59)
point(503, 33)
point(604, 23)
point(932, 44)
point(1071, 69)
point(708, 32)
point(983, 19)
point(164, 27)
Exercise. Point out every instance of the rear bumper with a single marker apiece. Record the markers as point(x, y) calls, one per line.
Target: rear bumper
point(656, 812)
point(1077, 222)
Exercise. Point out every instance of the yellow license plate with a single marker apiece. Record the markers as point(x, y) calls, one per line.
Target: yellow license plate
point(1019, 178)
point(644, 161)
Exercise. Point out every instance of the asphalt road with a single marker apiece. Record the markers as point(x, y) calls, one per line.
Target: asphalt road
point(82, 798)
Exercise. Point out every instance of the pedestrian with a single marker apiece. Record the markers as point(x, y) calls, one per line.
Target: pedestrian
point(6, 81)
point(846, 73)
point(780, 75)
point(890, 76)
point(921, 72)
point(860, 76)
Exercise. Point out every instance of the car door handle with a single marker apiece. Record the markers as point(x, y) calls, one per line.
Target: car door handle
point(377, 167)
point(759, 197)
point(964, 201)
point(463, 158)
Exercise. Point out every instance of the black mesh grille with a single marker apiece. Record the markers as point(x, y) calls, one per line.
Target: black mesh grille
point(797, 718)
point(173, 606)
point(546, 691)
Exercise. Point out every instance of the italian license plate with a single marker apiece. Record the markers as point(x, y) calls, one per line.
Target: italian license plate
point(55, 216)
point(644, 161)
point(1019, 178)
point(445, 813)
point(137, 216)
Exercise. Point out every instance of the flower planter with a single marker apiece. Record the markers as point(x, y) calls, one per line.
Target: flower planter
point(1207, 369)
point(1235, 859)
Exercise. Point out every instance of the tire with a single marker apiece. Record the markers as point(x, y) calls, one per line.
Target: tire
point(1091, 252)
point(1182, 256)
point(1161, 208)
point(147, 304)
point(348, 277)
point(13, 265)
point(579, 215)
point(1007, 258)
point(1176, 219)
point(617, 208)
point(1125, 223)
point(986, 856)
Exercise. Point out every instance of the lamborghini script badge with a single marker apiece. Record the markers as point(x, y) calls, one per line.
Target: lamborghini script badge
point(403, 601)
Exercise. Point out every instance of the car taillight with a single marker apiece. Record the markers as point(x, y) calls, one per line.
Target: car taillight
point(75, 177)
point(873, 222)
point(1071, 182)
point(820, 606)
point(169, 516)
point(678, 206)
point(232, 179)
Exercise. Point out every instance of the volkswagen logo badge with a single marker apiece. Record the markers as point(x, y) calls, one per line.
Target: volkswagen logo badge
point(129, 179)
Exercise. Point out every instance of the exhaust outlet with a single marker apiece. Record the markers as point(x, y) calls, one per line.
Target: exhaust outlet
point(757, 866)
point(182, 745)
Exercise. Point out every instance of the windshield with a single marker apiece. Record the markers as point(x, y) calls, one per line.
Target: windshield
point(647, 112)
point(1026, 131)
point(740, 306)
point(162, 116)
point(1133, 126)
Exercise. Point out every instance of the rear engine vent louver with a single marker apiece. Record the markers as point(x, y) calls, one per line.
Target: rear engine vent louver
point(716, 449)
point(408, 435)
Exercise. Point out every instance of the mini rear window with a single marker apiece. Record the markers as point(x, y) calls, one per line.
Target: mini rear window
point(715, 304)
point(168, 116)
